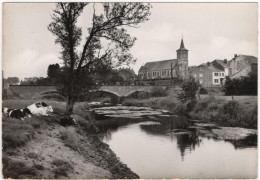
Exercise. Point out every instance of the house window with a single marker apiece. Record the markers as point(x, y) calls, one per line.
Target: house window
point(201, 75)
point(148, 74)
point(216, 80)
point(201, 81)
point(195, 75)
point(216, 74)
point(222, 74)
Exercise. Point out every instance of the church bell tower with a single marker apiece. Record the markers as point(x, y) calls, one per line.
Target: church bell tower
point(182, 59)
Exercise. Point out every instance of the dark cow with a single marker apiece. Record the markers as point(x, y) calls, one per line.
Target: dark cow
point(6, 110)
point(67, 121)
point(19, 113)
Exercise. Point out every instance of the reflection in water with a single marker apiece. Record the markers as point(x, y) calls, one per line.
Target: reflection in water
point(249, 141)
point(167, 147)
point(187, 141)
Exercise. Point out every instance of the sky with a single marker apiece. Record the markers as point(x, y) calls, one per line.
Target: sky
point(209, 30)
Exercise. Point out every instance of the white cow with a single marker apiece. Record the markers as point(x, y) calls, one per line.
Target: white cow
point(40, 108)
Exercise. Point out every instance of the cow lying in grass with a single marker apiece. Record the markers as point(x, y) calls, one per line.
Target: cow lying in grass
point(40, 108)
point(19, 113)
point(67, 121)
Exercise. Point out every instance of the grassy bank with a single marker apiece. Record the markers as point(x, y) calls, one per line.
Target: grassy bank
point(223, 110)
point(40, 148)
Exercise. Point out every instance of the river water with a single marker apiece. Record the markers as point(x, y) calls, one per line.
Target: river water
point(157, 144)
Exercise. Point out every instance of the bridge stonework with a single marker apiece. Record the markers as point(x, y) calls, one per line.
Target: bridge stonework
point(124, 91)
point(34, 92)
point(29, 92)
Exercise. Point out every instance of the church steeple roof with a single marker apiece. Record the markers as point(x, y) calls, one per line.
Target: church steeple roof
point(182, 47)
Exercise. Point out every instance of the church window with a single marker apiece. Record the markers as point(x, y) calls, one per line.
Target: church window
point(154, 74)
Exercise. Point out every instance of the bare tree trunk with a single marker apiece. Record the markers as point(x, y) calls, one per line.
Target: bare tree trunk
point(69, 106)
point(199, 96)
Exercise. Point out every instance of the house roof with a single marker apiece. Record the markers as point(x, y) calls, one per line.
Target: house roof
point(158, 65)
point(210, 67)
point(191, 68)
point(249, 59)
point(221, 62)
point(214, 68)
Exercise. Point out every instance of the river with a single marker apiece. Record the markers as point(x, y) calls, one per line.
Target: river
point(157, 144)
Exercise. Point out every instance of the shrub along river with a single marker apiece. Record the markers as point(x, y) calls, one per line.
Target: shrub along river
point(158, 144)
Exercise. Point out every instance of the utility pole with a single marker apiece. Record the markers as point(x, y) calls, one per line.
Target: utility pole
point(171, 73)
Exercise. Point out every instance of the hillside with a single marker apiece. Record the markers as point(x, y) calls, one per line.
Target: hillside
point(41, 148)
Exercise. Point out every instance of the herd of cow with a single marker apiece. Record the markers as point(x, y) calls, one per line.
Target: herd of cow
point(38, 108)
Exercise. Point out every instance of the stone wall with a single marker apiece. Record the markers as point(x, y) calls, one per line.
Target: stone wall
point(28, 92)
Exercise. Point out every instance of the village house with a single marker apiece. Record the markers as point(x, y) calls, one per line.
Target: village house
point(242, 65)
point(208, 75)
point(214, 73)
point(166, 69)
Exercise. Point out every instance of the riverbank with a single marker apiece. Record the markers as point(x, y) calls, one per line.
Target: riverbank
point(210, 109)
point(40, 148)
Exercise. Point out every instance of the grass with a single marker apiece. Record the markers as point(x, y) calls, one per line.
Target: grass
point(16, 169)
point(62, 167)
point(69, 138)
point(219, 109)
point(249, 101)
point(170, 103)
point(16, 133)
point(231, 113)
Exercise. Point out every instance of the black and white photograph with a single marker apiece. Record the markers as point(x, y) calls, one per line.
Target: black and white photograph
point(129, 90)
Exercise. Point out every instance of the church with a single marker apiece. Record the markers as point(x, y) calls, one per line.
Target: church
point(166, 70)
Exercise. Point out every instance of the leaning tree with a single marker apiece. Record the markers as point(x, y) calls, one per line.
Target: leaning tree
point(106, 45)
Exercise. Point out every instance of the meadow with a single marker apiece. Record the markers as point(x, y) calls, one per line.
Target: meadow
point(241, 111)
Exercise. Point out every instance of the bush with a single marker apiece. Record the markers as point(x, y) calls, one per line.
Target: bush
point(246, 85)
point(203, 91)
point(158, 91)
point(62, 167)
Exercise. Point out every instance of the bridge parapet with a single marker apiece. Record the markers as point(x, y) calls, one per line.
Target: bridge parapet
point(31, 92)
point(123, 91)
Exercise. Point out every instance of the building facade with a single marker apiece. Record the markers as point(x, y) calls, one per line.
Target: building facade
point(208, 75)
point(214, 73)
point(242, 65)
point(166, 69)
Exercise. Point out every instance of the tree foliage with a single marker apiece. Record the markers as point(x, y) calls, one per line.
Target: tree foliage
point(12, 80)
point(107, 27)
point(246, 85)
point(53, 71)
point(189, 91)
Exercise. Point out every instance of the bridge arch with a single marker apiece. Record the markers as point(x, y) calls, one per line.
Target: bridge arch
point(136, 91)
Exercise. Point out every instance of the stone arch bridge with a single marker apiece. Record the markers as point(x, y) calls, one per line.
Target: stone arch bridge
point(34, 92)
